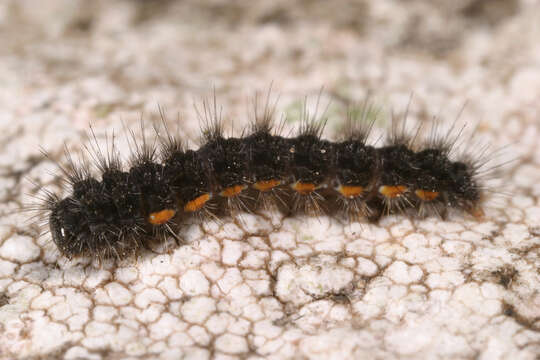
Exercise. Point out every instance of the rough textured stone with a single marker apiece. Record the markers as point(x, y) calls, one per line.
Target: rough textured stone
point(264, 285)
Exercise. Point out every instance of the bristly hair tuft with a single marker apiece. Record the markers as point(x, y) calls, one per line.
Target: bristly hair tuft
point(359, 122)
point(73, 171)
point(142, 152)
point(210, 120)
point(108, 160)
point(311, 123)
point(263, 120)
point(169, 143)
point(445, 141)
point(400, 133)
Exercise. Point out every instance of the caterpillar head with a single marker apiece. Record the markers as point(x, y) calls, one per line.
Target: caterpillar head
point(68, 227)
point(464, 189)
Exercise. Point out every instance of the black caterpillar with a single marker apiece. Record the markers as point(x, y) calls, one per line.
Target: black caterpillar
point(116, 215)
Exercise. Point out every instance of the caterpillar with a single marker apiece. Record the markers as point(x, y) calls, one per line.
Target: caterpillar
point(115, 214)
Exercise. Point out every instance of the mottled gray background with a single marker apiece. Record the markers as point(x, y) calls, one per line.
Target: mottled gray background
point(264, 285)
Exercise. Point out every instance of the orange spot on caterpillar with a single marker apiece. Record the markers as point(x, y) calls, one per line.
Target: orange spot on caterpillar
point(427, 195)
point(266, 185)
point(197, 203)
point(350, 191)
point(232, 190)
point(303, 188)
point(161, 217)
point(392, 191)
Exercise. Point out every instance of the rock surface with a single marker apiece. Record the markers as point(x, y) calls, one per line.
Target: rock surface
point(266, 286)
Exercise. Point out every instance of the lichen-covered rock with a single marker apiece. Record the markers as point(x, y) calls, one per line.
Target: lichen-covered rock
point(266, 285)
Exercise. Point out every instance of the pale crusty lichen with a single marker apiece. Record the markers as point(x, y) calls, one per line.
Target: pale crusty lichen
point(265, 285)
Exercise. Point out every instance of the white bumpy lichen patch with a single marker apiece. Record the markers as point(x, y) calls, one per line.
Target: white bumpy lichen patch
point(266, 286)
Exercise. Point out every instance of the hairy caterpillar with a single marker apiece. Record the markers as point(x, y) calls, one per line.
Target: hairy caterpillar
point(114, 215)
